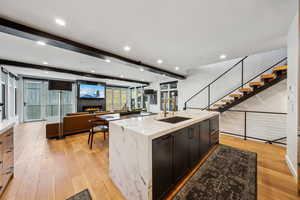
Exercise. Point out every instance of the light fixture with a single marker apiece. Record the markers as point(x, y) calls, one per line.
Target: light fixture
point(45, 63)
point(46, 72)
point(127, 48)
point(177, 68)
point(107, 60)
point(163, 75)
point(60, 22)
point(122, 76)
point(93, 71)
point(159, 61)
point(142, 69)
point(41, 43)
point(223, 56)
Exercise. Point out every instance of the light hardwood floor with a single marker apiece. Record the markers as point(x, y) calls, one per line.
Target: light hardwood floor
point(57, 169)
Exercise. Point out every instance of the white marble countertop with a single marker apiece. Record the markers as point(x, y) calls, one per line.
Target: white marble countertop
point(151, 127)
point(5, 125)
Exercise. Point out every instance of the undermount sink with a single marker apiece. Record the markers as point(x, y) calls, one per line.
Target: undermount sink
point(174, 120)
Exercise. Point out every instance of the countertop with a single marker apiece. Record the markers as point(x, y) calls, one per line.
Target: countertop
point(5, 125)
point(149, 126)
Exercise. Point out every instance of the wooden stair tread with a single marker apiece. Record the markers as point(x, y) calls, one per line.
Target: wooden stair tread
point(258, 83)
point(268, 76)
point(235, 95)
point(245, 90)
point(218, 105)
point(280, 68)
point(227, 100)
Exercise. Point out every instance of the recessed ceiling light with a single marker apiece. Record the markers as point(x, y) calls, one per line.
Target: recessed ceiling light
point(122, 76)
point(60, 22)
point(159, 61)
point(142, 69)
point(107, 60)
point(163, 74)
point(45, 63)
point(223, 56)
point(127, 48)
point(41, 43)
point(177, 68)
point(46, 72)
point(143, 80)
point(93, 71)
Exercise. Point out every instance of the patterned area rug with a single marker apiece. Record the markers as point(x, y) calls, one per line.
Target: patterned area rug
point(228, 174)
point(83, 195)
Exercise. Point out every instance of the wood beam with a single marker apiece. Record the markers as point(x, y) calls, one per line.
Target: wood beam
point(55, 69)
point(23, 31)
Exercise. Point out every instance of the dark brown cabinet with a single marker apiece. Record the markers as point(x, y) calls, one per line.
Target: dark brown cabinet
point(162, 165)
point(180, 154)
point(214, 130)
point(6, 158)
point(175, 154)
point(194, 145)
point(204, 137)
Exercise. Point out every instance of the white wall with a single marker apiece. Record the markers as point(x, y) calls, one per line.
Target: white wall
point(260, 125)
point(199, 78)
point(293, 94)
point(206, 74)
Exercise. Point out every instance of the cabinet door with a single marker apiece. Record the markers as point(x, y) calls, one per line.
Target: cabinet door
point(214, 124)
point(180, 154)
point(204, 137)
point(194, 143)
point(162, 165)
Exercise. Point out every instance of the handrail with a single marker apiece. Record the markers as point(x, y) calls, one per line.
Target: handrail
point(242, 85)
point(248, 81)
point(217, 78)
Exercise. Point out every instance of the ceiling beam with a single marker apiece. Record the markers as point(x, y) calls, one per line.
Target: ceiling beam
point(60, 70)
point(23, 31)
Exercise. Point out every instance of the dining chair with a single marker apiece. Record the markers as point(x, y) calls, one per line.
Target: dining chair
point(97, 126)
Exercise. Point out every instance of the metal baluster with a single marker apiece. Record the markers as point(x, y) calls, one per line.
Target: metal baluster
point(242, 81)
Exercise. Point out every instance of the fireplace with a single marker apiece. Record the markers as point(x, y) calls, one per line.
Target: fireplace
point(92, 109)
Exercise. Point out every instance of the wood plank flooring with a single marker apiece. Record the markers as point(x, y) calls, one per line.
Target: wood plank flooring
point(56, 169)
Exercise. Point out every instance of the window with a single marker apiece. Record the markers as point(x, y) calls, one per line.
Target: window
point(133, 97)
point(169, 96)
point(109, 102)
point(43, 104)
point(116, 98)
point(139, 97)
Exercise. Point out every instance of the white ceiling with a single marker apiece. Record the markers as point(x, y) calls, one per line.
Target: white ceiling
point(28, 51)
point(187, 34)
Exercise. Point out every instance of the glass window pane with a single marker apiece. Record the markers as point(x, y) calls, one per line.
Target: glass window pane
point(116, 99)
point(173, 85)
point(124, 99)
point(163, 86)
point(109, 99)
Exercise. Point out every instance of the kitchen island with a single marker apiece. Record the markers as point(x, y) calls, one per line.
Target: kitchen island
point(149, 155)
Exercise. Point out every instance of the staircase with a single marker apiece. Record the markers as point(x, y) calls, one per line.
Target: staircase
point(263, 80)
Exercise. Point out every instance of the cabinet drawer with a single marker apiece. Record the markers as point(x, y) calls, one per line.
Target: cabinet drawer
point(214, 139)
point(214, 124)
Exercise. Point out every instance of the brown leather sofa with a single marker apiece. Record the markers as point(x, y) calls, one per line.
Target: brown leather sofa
point(72, 123)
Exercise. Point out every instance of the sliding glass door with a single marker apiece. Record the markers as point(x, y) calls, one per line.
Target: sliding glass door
point(33, 100)
point(43, 104)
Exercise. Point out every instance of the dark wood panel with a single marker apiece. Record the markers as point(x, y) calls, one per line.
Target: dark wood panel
point(60, 70)
point(162, 166)
point(181, 154)
point(194, 143)
point(204, 137)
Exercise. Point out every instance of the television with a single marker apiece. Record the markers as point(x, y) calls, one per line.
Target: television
point(87, 91)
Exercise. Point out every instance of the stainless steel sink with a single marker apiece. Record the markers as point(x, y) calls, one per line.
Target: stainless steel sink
point(174, 120)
